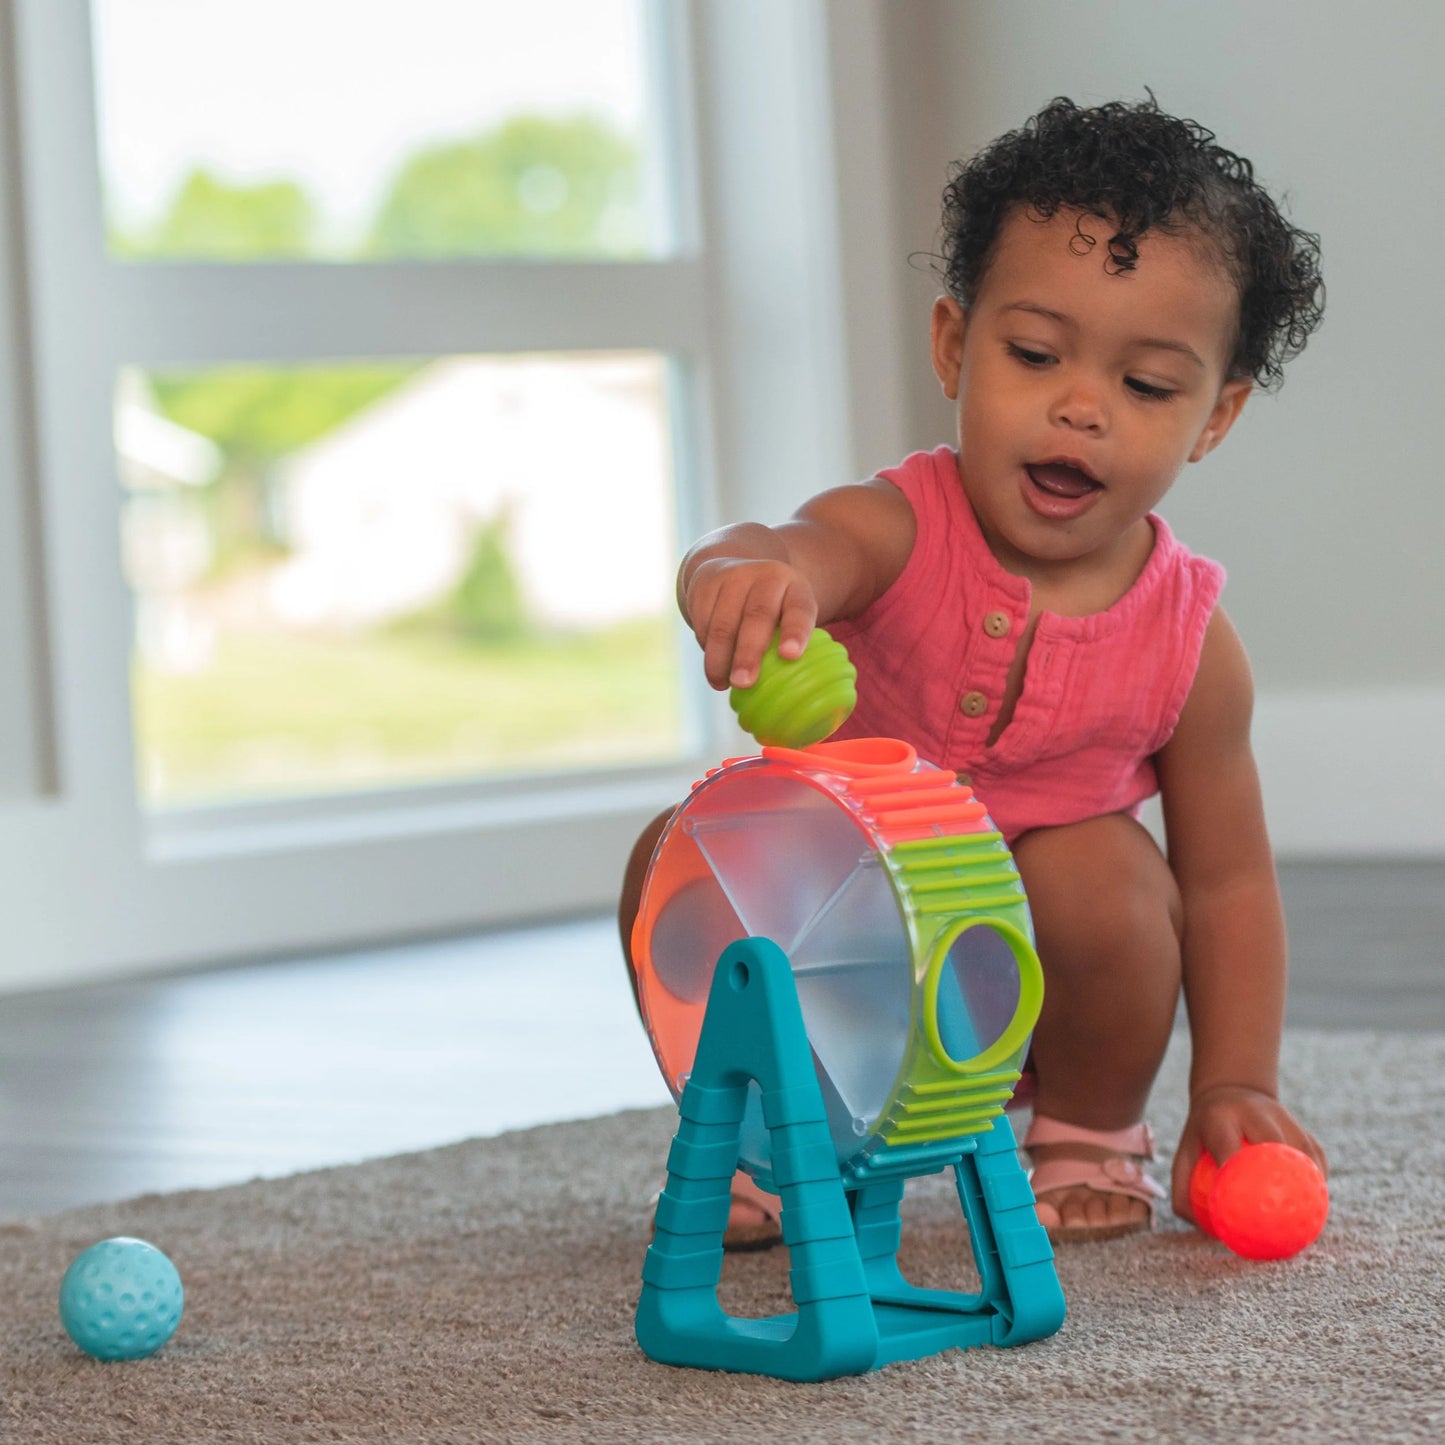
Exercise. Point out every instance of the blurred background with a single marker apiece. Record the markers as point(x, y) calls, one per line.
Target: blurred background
point(331, 564)
point(366, 367)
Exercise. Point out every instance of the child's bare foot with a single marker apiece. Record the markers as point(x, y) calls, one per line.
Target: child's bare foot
point(1090, 1184)
point(1079, 1213)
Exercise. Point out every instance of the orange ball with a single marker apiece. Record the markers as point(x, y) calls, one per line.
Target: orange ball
point(1268, 1202)
point(1201, 1185)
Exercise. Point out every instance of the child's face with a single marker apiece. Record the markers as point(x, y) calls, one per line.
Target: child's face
point(1081, 394)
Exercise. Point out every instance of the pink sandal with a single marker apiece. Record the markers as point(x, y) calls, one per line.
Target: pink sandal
point(1119, 1173)
point(764, 1229)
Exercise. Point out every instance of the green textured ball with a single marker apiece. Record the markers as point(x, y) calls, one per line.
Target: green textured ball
point(794, 704)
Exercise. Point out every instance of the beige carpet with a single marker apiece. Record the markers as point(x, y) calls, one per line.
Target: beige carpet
point(484, 1292)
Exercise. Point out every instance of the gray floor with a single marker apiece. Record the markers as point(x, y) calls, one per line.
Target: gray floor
point(215, 1077)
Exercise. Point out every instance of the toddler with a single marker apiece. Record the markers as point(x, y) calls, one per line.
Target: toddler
point(1117, 284)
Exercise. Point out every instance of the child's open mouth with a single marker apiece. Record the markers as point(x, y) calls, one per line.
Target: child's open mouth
point(1060, 490)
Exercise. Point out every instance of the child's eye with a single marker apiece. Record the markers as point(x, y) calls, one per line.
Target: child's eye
point(1028, 356)
point(1147, 389)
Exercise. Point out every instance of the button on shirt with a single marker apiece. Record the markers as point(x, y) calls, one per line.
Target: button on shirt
point(1101, 694)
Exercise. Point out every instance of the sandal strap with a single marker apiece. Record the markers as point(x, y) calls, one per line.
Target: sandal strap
point(1136, 1140)
point(746, 1188)
point(1119, 1175)
point(1123, 1173)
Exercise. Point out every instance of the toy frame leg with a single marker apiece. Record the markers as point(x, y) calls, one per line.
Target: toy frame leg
point(855, 1310)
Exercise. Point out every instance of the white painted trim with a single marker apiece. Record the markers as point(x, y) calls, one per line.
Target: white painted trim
point(91, 913)
point(870, 260)
point(1349, 774)
point(26, 764)
point(166, 313)
point(1353, 774)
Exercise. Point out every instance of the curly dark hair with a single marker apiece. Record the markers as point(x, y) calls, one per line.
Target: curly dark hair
point(1141, 168)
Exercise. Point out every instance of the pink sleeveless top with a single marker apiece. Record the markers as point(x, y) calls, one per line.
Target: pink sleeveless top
point(1101, 694)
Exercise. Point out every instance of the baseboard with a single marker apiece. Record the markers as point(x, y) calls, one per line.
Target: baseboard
point(1354, 774)
point(1349, 775)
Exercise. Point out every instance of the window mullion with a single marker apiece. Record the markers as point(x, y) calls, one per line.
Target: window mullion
point(183, 314)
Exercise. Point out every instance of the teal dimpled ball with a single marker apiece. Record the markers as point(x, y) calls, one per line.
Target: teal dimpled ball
point(796, 703)
point(121, 1299)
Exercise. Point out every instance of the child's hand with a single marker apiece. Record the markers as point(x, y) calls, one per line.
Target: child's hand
point(1223, 1118)
point(735, 605)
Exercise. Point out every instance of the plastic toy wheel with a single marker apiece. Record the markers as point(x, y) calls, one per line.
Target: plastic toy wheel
point(902, 914)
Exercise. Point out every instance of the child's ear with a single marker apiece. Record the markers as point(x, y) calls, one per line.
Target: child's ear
point(948, 328)
point(1232, 397)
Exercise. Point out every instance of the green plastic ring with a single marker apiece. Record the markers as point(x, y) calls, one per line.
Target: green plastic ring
point(1026, 1015)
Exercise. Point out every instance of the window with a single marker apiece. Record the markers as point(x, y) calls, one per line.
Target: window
point(392, 573)
point(230, 338)
point(398, 570)
point(251, 130)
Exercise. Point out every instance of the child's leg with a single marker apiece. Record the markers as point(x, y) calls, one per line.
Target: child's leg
point(1108, 920)
point(753, 1218)
point(634, 876)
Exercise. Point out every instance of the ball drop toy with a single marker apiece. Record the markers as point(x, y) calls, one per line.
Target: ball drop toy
point(1266, 1201)
point(835, 965)
point(121, 1299)
point(794, 704)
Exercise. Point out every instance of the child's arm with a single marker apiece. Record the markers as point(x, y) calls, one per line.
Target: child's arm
point(740, 584)
point(1234, 934)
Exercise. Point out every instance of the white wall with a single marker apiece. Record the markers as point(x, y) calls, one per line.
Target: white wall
point(1327, 503)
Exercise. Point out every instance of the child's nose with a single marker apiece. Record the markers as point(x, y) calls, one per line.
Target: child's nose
point(1080, 407)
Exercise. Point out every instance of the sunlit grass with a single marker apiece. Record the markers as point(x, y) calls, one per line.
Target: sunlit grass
point(284, 714)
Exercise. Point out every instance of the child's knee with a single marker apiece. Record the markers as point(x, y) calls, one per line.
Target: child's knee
point(633, 878)
point(1101, 894)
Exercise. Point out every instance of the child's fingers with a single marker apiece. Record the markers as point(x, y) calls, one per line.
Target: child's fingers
point(1307, 1144)
point(718, 650)
point(737, 631)
point(788, 618)
point(1180, 1175)
point(755, 635)
point(717, 634)
point(715, 640)
point(796, 623)
point(1222, 1136)
point(737, 609)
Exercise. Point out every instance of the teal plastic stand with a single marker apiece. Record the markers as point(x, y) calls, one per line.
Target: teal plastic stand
point(855, 1310)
